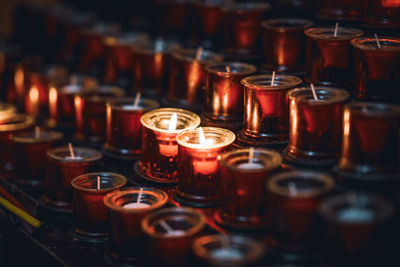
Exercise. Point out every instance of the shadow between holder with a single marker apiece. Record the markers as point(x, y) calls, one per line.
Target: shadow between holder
point(239, 227)
point(56, 206)
point(152, 180)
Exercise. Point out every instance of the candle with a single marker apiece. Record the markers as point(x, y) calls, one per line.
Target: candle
point(63, 165)
point(91, 218)
point(315, 125)
point(197, 163)
point(293, 201)
point(266, 110)
point(169, 231)
point(159, 157)
point(224, 94)
point(243, 174)
point(124, 130)
point(125, 215)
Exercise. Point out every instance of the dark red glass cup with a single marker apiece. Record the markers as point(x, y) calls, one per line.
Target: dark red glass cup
point(315, 126)
point(377, 70)
point(198, 176)
point(90, 112)
point(127, 240)
point(293, 203)
point(284, 45)
point(330, 58)
point(169, 232)
point(243, 201)
point(61, 169)
point(341, 10)
point(124, 130)
point(30, 150)
point(382, 13)
point(266, 110)
point(224, 94)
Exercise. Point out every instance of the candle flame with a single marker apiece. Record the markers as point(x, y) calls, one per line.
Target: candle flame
point(34, 95)
point(53, 102)
point(98, 182)
point(172, 122)
point(19, 80)
point(202, 138)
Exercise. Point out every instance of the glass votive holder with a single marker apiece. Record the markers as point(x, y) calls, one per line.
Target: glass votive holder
point(242, 27)
point(30, 151)
point(284, 45)
point(370, 147)
point(158, 162)
point(243, 174)
point(124, 130)
point(91, 218)
point(358, 229)
point(224, 94)
point(342, 10)
point(329, 57)
point(126, 211)
point(152, 65)
point(15, 124)
point(382, 14)
point(376, 71)
point(170, 231)
point(90, 112)
point(198, 176)
point(266, 110)
point(315, 126)
point(293, 203)
point(187, 76)
point(62, 168)
point(227, 250)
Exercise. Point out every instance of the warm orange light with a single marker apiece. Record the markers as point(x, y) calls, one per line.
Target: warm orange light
point(19, 81)
point(53, 102)
point(33, 106)
point(172, 122)
point(391, 3)
point(193, 80)
point(158, 60)
point(78, 112)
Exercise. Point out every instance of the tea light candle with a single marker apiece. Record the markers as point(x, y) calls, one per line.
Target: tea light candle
point(91, 218)
point(126, 211)
point(243, 201)
point(266, 109)
point(159, 157)
point(197, 163)
point(62, 167)
point(30, 148)
point(315, 126)
point(172, 246)
point(124, 130)
point(293, 202)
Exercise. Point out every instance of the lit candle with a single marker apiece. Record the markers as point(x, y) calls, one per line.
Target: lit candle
point(250, 165)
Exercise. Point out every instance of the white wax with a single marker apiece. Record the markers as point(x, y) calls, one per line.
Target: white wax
point(175, 233)
point(226, 254)
point(250, 166)
point(132, 107)
point(355, 215)
point(73, 158)
point(134, 205)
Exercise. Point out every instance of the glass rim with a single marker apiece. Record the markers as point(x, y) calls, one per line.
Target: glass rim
point(188, 55)
point(341, 94)
point(150, 103)
point(292, 81)
point(52, 136)
point(298, 23)
point(51, 153)
point(378, 108)
point(231, 137)
point(121, 181)
point(326, 33)
point(360, 43)
point(249, 68)
point(17, 122)
point(114, 91)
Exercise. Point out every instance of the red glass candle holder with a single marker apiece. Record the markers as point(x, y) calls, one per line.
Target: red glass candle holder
point(124, 130)
point(243, 202)
point(293, 202)
point(242, 27)
point(284, 45)
point(382, 13)
point(158, 162)
point(91, 218)
point(61, 169)
point(152, 66)
point(315, 126)
point(90, 112)
point(358, 229)
point(377, 71)
point(345, 10)
point(266, 110)
point(198, 150)
point(15, 124)
point(224, 94)
point(330, 58)
point(30, 150)
point(370, 156)
point(187, 76)
point(172, 243)
point(224, 250)
point(126, 235)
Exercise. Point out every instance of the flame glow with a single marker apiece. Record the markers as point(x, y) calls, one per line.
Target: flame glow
point(53, 102)
point(19, 81)
point(172, 122)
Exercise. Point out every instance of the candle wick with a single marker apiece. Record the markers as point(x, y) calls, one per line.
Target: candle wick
point(98, 183)
point(273, 78)
point(378, 43)
point(314, 92)
point(137, 99)
point(165, 226)
point(251, 154)
point(172, 122)
point(199, 53)
point(139, 196)
point(71, 150)
point(292, 188)
point(37, 132)
point(224, 239)
point(336, 29)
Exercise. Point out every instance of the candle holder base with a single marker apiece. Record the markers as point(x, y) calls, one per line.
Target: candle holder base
point(84, 236)
point(120, 154)
point(198, 202)
point(308, 162)
point(242, 226)
point(233, 125)
point(246, 141)
point(181, 103)
point(156, 180)
point(56, 206)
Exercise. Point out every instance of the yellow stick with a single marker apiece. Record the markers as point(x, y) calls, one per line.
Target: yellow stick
point(20, 213)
